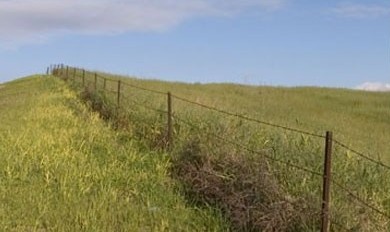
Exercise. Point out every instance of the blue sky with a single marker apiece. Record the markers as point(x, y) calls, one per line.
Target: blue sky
point(272, 42)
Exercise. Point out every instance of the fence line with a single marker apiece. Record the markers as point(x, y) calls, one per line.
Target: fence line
point(58, 70)
point(254, 120)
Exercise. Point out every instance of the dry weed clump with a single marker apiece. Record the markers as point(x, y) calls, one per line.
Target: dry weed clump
point(243, 187)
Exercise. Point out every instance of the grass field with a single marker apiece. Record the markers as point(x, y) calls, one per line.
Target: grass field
point(64, 169)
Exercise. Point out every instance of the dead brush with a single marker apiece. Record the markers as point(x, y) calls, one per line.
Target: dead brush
point(245, 190)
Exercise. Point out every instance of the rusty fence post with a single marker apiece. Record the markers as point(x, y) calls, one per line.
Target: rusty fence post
point(119, 94)
point(326, 182)
point(83, 77)
point(170, 129)
point(60, 70)
point(95, 81)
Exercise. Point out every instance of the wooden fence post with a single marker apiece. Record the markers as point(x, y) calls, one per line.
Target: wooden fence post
point(326, 182)
point(170, 129)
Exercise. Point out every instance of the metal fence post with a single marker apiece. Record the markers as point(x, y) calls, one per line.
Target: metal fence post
point(83, 77)
point(326, 182)
point(170, 138)
point(119, 94)
point(95, 81)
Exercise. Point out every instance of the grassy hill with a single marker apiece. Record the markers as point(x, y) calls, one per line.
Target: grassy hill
point(249, 169)
point(64, 169)
point(222, 172)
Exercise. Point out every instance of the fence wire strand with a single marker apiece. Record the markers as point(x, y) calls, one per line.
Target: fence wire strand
point(357, 198)
point(143, 105)
point(243, 147)
point(142, 88)
point(248, 118)
point(361, 154)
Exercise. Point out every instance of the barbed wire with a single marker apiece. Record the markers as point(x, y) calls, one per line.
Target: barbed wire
point(142, 88)
point(360, 154)
point(243, 147)
point(144, 106)
point(248, 118)
point(357, 198)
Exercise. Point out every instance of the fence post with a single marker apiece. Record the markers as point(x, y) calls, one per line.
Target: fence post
point(104, 83)
point(119, 94)
point(95, 81)
point(47, 70)
point(326, 182)
point(67, 72)
point(60, 70)
point(170, 138)
point(83, 77)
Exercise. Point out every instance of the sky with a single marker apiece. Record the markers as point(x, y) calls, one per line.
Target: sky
point(333, 43)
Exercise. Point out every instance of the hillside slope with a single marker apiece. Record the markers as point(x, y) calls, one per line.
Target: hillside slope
point(64, 169)
point(229, 152)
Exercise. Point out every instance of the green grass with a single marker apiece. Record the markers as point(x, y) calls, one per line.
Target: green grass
point(359, 119)
point(64, 169)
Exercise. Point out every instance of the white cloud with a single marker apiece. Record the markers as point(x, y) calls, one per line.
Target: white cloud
point(356, 10)
point(374, 86)
point(24, 21)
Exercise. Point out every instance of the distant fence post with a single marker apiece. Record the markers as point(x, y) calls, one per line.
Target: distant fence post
point(74, 74)
point(326, 182)
point(67, 72)
point(170, 138)
point(60, 70)
point(95, 81)
point(47, 70)
point(119, 94)
point(83, 77)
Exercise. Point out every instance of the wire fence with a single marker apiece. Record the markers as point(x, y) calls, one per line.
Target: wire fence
point(116, 86)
